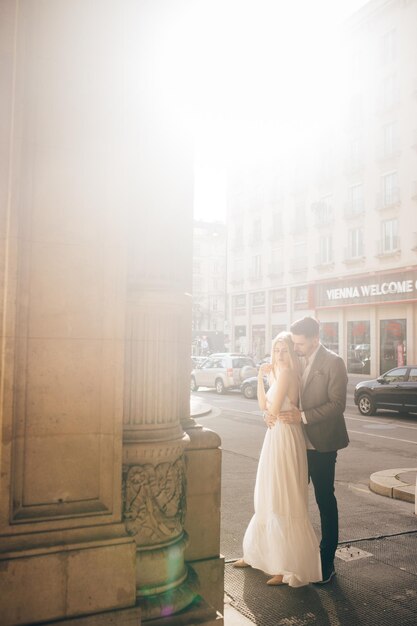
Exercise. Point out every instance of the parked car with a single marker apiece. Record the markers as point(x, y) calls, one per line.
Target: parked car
point(223, 371)
point(196, 361)
point(249, 387)
point(395, 390)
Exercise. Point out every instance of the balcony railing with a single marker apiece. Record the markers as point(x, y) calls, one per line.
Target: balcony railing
point(351, 256)
point(353, 209)
point(324, 261)
point(388, 199)
point(323, 214)
point(388, 246)
point(385, 151)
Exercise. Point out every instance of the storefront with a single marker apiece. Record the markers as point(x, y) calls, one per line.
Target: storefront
point(370, 320)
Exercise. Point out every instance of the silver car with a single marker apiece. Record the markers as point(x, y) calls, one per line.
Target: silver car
point(223, 371)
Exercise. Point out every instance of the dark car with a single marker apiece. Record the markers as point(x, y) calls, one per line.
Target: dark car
point(395, 390)
point(249, 387)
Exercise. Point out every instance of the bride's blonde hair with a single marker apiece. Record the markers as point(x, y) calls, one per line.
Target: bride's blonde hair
point(285, 337)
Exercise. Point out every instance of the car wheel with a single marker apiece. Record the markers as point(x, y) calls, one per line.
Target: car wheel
point(366, 405)
point(249, 392)
point(220, 386)
point(194, 386)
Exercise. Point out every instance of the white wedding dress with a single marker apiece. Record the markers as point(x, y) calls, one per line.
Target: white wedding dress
point(280, 538)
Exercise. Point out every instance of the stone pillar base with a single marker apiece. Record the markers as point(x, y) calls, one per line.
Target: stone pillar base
point(43, 583)
point(210, 574)
point(198, 614)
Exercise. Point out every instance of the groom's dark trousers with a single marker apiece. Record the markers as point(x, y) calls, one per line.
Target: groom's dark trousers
point(321, 471)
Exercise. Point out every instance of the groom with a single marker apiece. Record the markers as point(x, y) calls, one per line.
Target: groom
point(323, 400)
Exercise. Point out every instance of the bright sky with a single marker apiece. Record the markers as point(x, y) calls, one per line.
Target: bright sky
point(260, 63)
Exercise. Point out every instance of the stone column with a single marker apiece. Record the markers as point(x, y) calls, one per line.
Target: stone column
point(64, 550)
point(158, 322)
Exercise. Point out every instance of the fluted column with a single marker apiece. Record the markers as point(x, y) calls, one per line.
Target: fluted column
point(158, 313)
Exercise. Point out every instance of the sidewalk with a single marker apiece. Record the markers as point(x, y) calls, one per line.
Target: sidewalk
point(376, 581)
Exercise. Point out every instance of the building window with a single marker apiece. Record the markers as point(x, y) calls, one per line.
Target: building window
point(277, 328)
point(329, 335)
point(393, 340)
point(237, 271)
point(257, 231)
point(276, 267)
point(358, 349)
point(325, 255)
point(258, 341)
point(389, 47)
point(355, 204)
point(238, 236)
point(277, 230)
point(390, 240)
point(299, 223)
point(355, 243)
point(390, 189)
point(323, 211)
point(258, 302)
point(239, 304)
point(256, 269)
point(355, 153)
point(389, 92)
point(278, 300)
point(389, 139)
point(299, 261)
point(240, 339)
point(301, 298)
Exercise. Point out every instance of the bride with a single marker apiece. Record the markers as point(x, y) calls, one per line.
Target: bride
point(280, 539)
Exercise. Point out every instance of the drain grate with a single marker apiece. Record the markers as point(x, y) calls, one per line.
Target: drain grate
point(351, 553)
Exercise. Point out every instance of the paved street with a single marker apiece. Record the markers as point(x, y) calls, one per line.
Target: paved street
point(384, 528)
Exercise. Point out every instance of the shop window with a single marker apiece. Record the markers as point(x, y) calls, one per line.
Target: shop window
point(239, 304)
point(300, 298)
point(258, 341)
point(277, 328)
point(393, 351)
point(329, 335)
point(358, 348)
point(278, 300)
point(240, 339)
point(258, 302)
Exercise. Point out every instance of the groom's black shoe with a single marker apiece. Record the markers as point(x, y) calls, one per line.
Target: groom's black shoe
point(328, 573)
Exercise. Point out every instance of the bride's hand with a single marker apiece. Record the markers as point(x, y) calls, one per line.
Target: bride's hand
point(265, 369)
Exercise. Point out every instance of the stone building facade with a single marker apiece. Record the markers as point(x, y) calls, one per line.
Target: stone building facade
point(336, 237)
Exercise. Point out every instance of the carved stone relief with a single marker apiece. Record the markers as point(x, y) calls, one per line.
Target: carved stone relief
point(154, 501)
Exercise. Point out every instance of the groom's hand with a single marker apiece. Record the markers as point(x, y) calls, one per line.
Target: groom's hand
point(292, 416)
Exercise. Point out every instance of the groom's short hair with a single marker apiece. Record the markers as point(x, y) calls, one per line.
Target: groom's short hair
point(307, 326)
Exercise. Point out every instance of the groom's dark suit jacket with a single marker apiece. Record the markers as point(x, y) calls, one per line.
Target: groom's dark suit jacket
point(323, 400)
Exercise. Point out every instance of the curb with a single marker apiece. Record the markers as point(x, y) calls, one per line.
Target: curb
point(395, 483)
point(198, 408)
